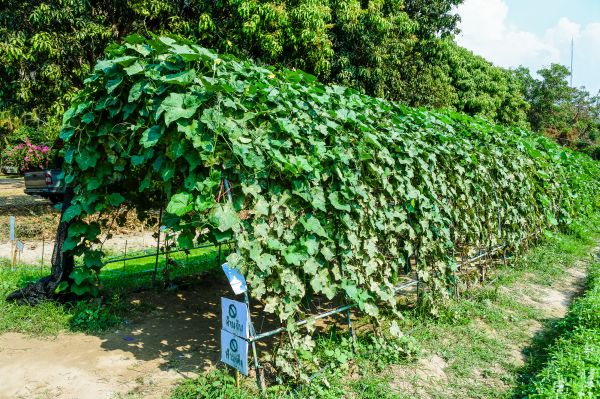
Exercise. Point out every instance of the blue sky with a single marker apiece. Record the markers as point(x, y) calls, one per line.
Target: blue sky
point(535, 33)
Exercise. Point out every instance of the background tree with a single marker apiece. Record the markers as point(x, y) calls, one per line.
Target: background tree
point(570, 115)
point(435, 18)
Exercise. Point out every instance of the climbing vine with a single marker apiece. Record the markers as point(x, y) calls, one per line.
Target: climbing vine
point(332, 190)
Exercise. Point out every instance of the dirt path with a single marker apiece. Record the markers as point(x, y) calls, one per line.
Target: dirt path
point(12, 194)
point(144, 358)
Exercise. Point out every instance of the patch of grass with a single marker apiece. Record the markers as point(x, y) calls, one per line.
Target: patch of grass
point(46, 319)
point(572, 363)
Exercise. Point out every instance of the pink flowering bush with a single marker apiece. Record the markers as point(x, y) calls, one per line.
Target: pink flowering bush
point(28, 157)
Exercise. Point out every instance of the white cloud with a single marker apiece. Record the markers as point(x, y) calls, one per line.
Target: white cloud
point(486, 31)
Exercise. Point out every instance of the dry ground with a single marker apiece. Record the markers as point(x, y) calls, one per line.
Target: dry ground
point(145, 356)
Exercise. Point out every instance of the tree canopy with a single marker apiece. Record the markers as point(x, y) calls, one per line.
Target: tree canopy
point(568, 114)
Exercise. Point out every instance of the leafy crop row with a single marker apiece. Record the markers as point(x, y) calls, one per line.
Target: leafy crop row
point(333, 190)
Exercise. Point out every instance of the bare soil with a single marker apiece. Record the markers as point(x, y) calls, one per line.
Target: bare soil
point(145, 357)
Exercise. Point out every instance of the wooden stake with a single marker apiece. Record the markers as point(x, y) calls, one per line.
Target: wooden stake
point(14, 258)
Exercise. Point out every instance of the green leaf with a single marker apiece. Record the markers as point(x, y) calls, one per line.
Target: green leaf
point(93, 183)
point(72, 212)
point(224, 217)
point(66, 133)
point(116, 199)
point(294, 256)
point(181, 78)
point(87, 118)
point(180, 204)
point(177, 106)
point(93, 259)
point(80, 275)
point(112, 84)
point(136, 91)
point(312, 245)
point(336, 202)
point(62, 287)
point(86, 159)
point(82, 289)
point(77, 229)
point(70, 243)
point(311, 266)
point(185, 240)
point(92, 232)
point(134, 39)
point(312, 224)
point(151, 136)
point(134, 68)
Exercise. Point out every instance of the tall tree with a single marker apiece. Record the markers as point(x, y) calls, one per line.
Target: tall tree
point(435, 17)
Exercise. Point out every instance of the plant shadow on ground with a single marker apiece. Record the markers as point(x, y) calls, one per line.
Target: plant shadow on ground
point(536, 355)
point(177, 328)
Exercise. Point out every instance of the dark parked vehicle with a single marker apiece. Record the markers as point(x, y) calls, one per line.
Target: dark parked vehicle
point(45, 183)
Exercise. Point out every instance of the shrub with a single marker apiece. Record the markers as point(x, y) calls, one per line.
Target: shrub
point(28, 157)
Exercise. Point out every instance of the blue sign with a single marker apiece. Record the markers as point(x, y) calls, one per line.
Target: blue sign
point(234, 317)
point(234, 351)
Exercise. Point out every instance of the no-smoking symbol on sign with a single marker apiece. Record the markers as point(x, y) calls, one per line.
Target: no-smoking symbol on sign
point(233, 345)
point(232, 311)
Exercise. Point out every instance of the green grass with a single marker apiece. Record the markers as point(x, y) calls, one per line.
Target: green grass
point(572, 364)
point(137, 273)
point(49, 318)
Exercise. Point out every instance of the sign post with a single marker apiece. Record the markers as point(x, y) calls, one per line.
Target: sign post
point(12, 228)
point(19, 248)
point(239, 286)
point(234, 334)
